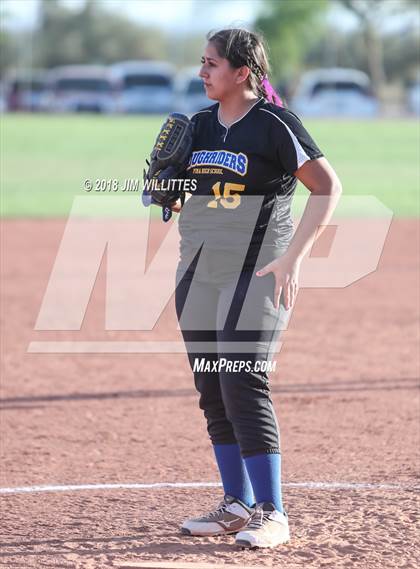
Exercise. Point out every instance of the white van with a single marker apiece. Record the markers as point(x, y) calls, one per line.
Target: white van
point(77, 88)
point(191, 95)
point(144, 86)
point(335, 92)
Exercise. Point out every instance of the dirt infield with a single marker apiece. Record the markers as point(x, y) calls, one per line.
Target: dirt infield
point(346, 393)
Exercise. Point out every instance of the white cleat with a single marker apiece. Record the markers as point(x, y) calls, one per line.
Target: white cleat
point(231, 516)
point(267, 528)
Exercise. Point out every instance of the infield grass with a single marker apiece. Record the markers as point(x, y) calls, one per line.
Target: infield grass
point(45, 159)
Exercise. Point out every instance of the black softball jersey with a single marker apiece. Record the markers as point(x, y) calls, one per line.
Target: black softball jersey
point(245, 179)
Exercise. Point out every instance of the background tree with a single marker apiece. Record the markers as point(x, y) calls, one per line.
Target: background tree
point(401, 54)
point(371, 15)
point(8, 46)
point(91, 35)
point(291, 29)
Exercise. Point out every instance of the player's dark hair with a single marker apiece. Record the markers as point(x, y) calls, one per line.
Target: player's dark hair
point(241, 47)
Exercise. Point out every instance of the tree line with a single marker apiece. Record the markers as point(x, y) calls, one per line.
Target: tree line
point(298, 33)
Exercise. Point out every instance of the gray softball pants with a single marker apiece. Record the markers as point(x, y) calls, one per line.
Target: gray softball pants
point(226, 314)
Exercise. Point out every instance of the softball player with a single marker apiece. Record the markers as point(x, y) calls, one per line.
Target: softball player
point(237, 282)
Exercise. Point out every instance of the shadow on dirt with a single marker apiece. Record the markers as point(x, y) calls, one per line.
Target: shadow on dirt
point(27, 402)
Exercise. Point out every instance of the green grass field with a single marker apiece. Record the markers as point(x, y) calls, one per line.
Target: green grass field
point(45, 159)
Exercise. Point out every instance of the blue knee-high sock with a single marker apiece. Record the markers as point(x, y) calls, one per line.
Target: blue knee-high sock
point(234, 475)
point(265, 473)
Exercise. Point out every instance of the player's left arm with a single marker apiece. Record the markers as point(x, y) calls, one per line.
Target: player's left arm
point(325, 189)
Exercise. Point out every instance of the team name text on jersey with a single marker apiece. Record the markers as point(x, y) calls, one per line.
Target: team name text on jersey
point(236, 162)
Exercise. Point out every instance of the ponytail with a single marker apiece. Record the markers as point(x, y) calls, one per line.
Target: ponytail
point(270, 92)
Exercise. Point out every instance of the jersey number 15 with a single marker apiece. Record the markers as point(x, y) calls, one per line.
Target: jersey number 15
point(229, 200)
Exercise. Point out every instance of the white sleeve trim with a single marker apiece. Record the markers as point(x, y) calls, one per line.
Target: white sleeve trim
point(301, 156)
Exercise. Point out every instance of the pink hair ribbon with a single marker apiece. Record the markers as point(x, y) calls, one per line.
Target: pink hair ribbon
point(272, 96)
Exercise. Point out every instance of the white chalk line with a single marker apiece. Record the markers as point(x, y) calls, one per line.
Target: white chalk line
point(192, 485)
